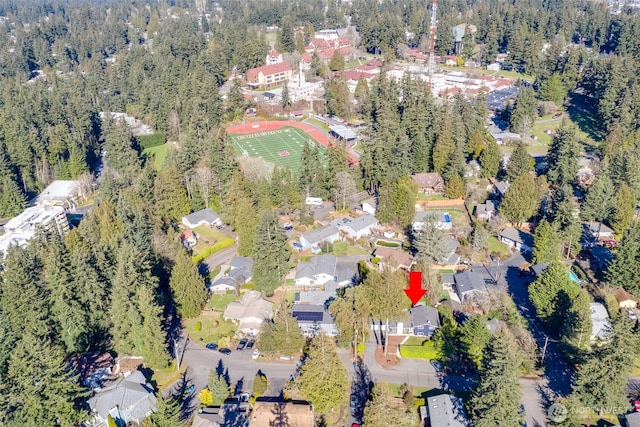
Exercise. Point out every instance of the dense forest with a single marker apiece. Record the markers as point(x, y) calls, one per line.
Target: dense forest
point(120, 282)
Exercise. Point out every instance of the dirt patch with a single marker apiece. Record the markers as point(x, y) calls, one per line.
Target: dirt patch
point(390, 359)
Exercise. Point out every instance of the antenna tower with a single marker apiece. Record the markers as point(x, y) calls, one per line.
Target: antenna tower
point(432, 39)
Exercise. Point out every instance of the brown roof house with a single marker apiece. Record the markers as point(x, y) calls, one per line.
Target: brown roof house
point(268, 414)
point(429, 183)
point(625, 299)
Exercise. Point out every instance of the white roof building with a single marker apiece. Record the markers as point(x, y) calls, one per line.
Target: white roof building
point(47, 218)
point(58, 193)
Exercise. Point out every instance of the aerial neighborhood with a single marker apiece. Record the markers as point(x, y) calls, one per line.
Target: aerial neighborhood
point(288, 214)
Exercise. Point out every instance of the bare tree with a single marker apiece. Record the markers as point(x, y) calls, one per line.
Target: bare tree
point(255, 168)
point(344, 189)
point(84, 186)
point(206, 180)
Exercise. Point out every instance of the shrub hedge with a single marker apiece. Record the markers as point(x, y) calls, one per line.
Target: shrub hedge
point(153, 140)
point(207, 252)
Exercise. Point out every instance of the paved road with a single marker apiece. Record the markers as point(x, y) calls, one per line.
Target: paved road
point(221, 257)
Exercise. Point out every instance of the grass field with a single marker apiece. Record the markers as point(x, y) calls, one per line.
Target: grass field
point(159, 153)
point(281, 147)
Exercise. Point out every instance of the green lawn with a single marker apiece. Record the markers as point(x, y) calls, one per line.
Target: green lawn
point(282, 147)
point(498, 248)
point(219, 302)
point(317, 123)
point(159, 153)
point(213, 328)
point(211, 234)
point(419, 348)
point(459, 217)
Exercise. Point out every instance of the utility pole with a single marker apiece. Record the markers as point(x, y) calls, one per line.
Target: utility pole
point(433, 26)
point(544, 349)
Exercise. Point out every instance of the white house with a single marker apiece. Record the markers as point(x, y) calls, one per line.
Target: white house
point(58, 193)
point(324, 268)
point(599, 230)
point(517, 239)
point(250, 312)
point(312, 239)
point(369, 206)
point(600, 325)
point(358, 227)
point(207, 217)
point(441, 220)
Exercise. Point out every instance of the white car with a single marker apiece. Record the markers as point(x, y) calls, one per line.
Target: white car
point(255, 354)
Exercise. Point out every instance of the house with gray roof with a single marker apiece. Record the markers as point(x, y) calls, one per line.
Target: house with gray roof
point(424, 320)
point(127, 400)
point(470, 286)
point(500, 188)
point(250, 312)
point(598, 230)
point(358, 227)
point(600, 325)
point(485, 211)
point(314, 238)
point(207, 217)
point(441, 220)
point(517, 239)
point(451, 245)
point(321, 269)
point(369, 206)
point(632, 419)
point(313, 318)
point(444, 410)
point(239, 273)
point(318, 297)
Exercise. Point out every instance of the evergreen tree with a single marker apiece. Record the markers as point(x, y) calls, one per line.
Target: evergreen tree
point(454, 187)
point(337, 61)
point(281, 335)
point(553, 89)
point(476, 144)
point(521, 200)
point(564, 154)
point(563, 213)
point(444, 146)
point(286, 36)
point(625, 267)
point(168, 414)
point(576, 327)
point(490, 159)
point(601, 382)
point(381, 410)
point(551, 294)
point(12, 200)
point(286, 99)
point(545, 243)
point(473, 337)
point(151, 342)
point(598, 203)
point(218, 386)
point(187, 286)
point(428, 244)
point(323, 378)
point(396, 202)
point(496, 400)
point(351, 313)
point(38, 373)
point(271, 253)
point(520, 162)
point(624, 209)
point(170, 195)
point(523, 113)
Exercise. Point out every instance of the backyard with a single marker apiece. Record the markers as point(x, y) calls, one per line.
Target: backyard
point(218, 302)
point(159, 153)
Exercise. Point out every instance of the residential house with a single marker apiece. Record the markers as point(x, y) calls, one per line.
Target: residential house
point(393, 258)
point(324, 268)
point(232, 413)
point(485, 211)
point(499, 187)
point(269, 76)
point(126, 400)
point(494, 66)
point(188, 239)
point(538, 269)
point(313, 318)
point(207, 217)
point(450, 60)
point(429, 183)
point(444, 410)
point(517, 239)
point(598, 230)
point(625, 299)
point(250, 312)
point(92, 368)
point(442, 220)
point(358, 227)
point(239, 273)
point(424, 320)
point(270, 413)
point(314, 238)
point(470, 286)
point(58, 193)
point(369, 206)
point(600, 325)
point(416, 56)
point(632, 419)
point(273, 57)
point(450, 245)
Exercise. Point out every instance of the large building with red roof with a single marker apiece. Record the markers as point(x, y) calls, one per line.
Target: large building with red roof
point(269, 76)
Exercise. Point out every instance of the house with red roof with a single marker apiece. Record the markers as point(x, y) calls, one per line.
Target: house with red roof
point(416, 56)
point(269, 76)
point(274, 57)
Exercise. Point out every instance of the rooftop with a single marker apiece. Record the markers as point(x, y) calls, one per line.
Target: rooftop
point(423, 315)
point(58, 191)
point(297, 414)
point(427, 180)
point(600, 326)
point(468, 281)
point(517, 236)
point(447, 410)
point(208, 215)
point(30, 218)
point(319, 234)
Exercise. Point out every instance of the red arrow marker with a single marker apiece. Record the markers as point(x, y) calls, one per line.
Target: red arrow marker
point(415, 291)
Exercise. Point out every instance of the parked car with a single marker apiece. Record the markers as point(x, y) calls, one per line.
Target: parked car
point(212, 346)
point(436, 365)
point(225, 350)
point(191, 389)
point(632, 314)
point(287, 226)
point(250, 344)
point(297, 246)
point(610, 243)
point(255, 354)
point(242, 344)
point(354, 403)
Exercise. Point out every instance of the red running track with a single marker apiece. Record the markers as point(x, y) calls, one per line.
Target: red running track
point(253, 127)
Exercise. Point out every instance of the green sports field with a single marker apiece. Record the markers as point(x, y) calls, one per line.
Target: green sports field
point(282, 147)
